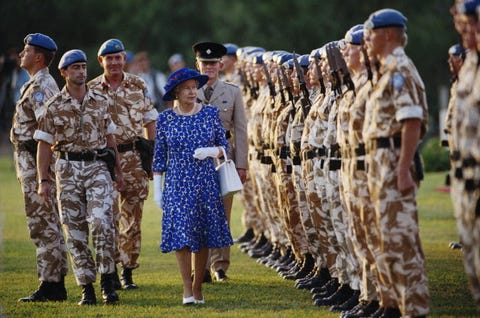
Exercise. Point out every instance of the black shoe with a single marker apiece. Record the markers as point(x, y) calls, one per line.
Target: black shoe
point(220, 275)
point(340, 296)
point(321, 277)
point(378, 313)
point(369, 309)
point(348, 304)
point(455, 245)
point(108, 292)
point(247, 236)
point(391, 312)
point(326, 290)
point(88, 295)
point(47, 292)
point(127, 281)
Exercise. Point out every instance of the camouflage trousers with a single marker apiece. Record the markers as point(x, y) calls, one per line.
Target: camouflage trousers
point(256, 175)
point(290, 213)
point(305, 213)
point(345, 263)
point(314, 206)
point(467, 214)
point(362, 221)
point(85, 196)
point(400, 259)
point(43, 221)
point(128, 215)
point(325, 227)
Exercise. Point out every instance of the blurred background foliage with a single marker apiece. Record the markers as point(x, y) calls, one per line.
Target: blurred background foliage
point(168, 26)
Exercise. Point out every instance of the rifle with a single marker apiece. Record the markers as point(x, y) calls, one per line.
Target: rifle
point(270, 84)
point(253, 87)
point(306, 104)
point(319, 72)
point(282, 94)
point(332, 62)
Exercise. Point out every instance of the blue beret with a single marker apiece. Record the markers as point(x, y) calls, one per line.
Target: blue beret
point(70, 57)
point(243, 52)
point(111, 46)
point(180, 76)
point(257, 58)
point(304, 60)
point(456, 49)
point(386, 18)
point(355, 35)
point(41, 40)
point(231, 48)
point(288, 64)
point(282, 58)
point(468, 7)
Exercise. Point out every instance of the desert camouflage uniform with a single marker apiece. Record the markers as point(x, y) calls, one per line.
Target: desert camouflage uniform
point(309, 159)
point(468, 220)
point(398, 94)
point(325, 227)
point(131, 109)
point(43, 220)
point(85, 187)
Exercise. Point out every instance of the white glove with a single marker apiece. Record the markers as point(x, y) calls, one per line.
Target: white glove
point(157, 189)
point(204, 152)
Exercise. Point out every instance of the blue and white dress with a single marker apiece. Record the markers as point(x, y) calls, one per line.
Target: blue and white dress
point(193, 211)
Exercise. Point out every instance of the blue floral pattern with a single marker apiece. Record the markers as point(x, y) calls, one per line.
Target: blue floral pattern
point(193, 211)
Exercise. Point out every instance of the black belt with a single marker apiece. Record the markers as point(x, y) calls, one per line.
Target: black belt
point(334, 164)
point(360, 150)
point(384, 142)
point(455, 155)
point(78, 156)
point(126, 147)
point(284, 152)
point(267, 160)
point(297, 161)
point(361, 165)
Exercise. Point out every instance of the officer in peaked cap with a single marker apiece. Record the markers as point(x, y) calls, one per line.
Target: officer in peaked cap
point(229, 101)
point(41, 40)
point(111, 46)
point(209, 51)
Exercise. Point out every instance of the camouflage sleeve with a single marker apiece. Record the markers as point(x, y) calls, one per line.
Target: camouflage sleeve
point(406, 96)
point(46, 128)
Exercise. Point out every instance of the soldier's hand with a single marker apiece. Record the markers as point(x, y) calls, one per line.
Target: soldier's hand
point(405, 181)
point(44, 190)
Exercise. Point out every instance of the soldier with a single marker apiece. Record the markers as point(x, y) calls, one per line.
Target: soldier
point(42, 216)
point(229, 69)
point(396, 120)
point(465, 140)
point(134, 115)
point(228, 98)
point(77, 125)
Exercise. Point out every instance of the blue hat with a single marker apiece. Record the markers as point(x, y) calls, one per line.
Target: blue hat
point(257, 57)
point(355, 35)
point(456, 50)
point(282, 58)
point(111, 46)
point(41, 40)
point(231, 48)
point(180, 76)
point(386, 18)
point(70, 57)
point(468, 7)
point(304, 60)
point(209, 51)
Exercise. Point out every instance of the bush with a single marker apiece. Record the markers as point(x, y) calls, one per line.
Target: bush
point(435, 157)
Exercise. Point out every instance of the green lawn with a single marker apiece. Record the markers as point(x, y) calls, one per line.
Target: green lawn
point(253, 289)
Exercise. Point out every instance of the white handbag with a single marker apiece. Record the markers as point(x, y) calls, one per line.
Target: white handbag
point(227, 174)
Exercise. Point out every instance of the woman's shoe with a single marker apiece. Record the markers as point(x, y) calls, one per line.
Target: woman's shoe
point(199, 301)
point(189, 300)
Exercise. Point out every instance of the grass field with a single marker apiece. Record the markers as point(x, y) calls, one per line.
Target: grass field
point(252, 291)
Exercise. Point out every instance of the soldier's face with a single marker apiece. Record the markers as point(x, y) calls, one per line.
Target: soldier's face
point(210, 68)
point(187, 92)
point(112, 64)
point(352, 55)
point(27, 57)
point(374, 40)
point(75, 73)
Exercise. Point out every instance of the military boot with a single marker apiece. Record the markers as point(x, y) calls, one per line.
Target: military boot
point(108, 291)
point(47, 292)
point(88, 295)
point(127, 281)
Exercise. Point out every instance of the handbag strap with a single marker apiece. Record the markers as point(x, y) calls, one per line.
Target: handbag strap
point(225, 158)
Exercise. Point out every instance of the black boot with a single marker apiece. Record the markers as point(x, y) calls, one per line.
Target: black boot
point(47, 292)
point(116, 280)
point(108, 292)
point(307, 266)
point(247, 236)
point(343, 293)
point(88, 295)
point(127, 281)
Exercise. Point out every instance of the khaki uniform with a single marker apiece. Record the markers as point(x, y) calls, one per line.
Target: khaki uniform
point(85, 185)
point(131, 110)
point(466, 136)
point(43, 220)
point(398, 94)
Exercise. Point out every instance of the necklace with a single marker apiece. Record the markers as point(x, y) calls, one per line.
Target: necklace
point(181, 112)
